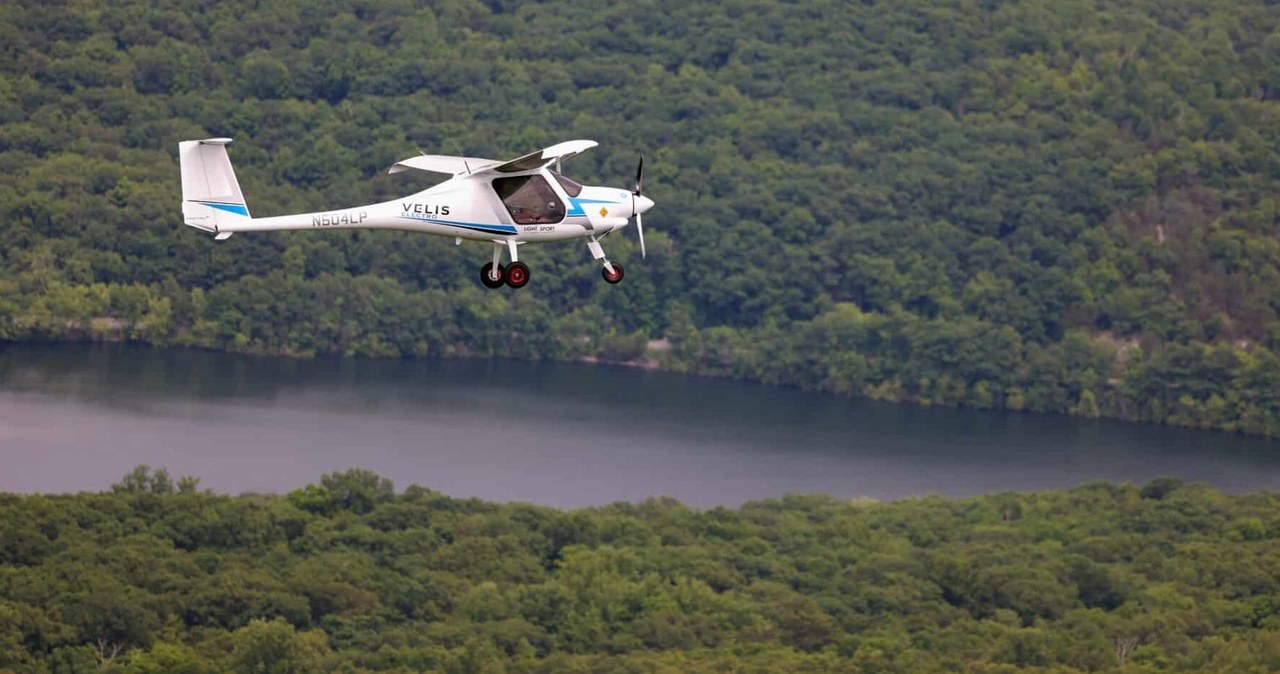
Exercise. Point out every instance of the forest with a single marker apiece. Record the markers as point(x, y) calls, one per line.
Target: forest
point(1053, 206)
point(349, 575)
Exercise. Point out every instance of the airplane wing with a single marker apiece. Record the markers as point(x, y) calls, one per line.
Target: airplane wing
point(542, 157)
point(439, 163)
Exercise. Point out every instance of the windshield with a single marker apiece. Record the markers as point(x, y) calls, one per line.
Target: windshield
point(570, 188)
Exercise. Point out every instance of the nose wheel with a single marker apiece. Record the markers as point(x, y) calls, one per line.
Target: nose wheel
point(612, 271)
point(612, 277)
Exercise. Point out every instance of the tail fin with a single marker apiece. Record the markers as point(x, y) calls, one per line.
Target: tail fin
point(210, 193)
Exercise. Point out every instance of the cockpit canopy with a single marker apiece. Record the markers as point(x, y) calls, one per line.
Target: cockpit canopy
point(530, 199)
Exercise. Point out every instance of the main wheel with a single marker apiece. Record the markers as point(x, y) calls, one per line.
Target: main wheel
point(487, 278)
point(615, 277)
point(517, 274)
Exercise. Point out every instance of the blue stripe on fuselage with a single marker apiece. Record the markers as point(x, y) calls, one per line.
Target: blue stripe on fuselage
point(575, 205)
point(477, 226)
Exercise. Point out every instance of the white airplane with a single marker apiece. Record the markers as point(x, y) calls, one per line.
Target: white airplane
point(523, 200)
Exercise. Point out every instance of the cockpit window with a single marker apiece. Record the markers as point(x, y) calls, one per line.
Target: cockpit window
point(529, 199)
point(570, 188)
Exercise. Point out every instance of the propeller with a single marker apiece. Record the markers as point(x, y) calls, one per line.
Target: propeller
point(638, 192)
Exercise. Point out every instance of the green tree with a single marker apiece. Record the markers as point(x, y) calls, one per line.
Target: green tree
point(356, 490)
point(274, 647)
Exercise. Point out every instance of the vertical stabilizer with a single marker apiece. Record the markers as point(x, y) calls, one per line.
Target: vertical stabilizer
point(211, 194)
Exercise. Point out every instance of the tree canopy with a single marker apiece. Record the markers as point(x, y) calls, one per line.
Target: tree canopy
point(159, 576)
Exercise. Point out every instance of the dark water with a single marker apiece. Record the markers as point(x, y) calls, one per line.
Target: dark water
point(78, 417)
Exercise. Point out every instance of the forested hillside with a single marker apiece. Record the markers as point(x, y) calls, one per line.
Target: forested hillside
point(1058, 206)
point(349, 576)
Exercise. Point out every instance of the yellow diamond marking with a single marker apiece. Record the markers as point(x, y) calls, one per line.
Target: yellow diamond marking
point(603, 211)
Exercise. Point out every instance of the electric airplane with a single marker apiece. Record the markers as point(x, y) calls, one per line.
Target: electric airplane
point(509, 203)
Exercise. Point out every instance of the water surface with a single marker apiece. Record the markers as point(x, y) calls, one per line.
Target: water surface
point(78, 417)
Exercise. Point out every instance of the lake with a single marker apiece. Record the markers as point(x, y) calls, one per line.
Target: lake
point(78, 417)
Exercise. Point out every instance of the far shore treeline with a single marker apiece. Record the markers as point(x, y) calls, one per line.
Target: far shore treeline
point(157, 576)
point(1054, 206)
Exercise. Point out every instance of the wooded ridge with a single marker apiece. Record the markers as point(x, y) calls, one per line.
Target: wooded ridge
point(1060, 206)
point(348, 575)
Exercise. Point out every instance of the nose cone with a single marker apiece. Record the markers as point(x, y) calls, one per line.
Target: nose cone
point(643, 204)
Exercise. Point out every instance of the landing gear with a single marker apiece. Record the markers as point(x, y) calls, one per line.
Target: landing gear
point(492, 279)
point(612, 277)
point(612, 271)
point(494, 275)
point(517, 274)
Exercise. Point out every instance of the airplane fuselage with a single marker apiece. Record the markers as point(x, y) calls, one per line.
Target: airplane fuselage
point(467, 207)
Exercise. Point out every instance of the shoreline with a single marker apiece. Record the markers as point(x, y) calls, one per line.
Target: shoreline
point(652, 361)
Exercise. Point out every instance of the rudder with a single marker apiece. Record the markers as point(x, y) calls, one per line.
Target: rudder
point(211, 194)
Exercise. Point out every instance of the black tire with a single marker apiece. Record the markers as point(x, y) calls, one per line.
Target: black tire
point(491, 283)
point(616, 278)
point(517, 274)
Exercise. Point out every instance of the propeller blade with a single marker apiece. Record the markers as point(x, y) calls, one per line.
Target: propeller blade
point(640, 231)
point(638, 191)
point(639, 176)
